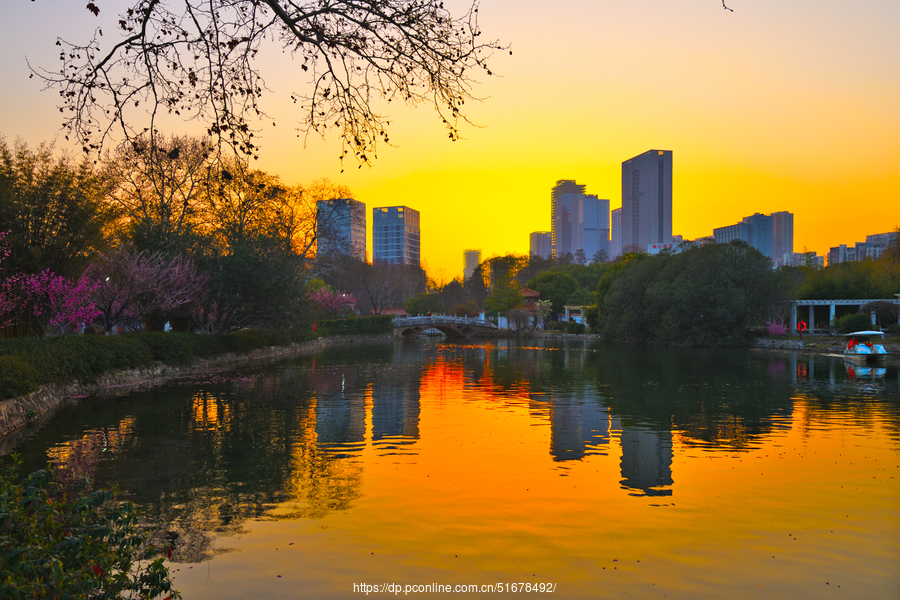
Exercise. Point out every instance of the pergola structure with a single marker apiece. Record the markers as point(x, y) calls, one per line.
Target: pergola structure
point(832, 304)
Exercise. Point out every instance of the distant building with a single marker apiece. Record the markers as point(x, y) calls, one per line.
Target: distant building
point(539, 244)
point(782, 237)
point(471, 260)
point(657, 248)
point(872, 248)
point(772, 235)
point(578, 221)
point(807, 259)
point(396, 237)
point(646, 200)
point(615, 223)
point(341, 228)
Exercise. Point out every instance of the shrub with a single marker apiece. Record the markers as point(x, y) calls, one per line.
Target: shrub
point(173, 348)
point(72, 543)
point(17, 377)
point(776, 327)
point(852, 322)
point(356, 325)
point(573, 327)
point(27, 363)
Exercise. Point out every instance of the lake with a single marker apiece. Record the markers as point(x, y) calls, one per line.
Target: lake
point(590, 470)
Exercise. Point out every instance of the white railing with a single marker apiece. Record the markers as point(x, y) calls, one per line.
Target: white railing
point(441, 320)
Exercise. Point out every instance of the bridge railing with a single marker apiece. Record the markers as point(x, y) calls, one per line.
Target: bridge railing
point(441, 320)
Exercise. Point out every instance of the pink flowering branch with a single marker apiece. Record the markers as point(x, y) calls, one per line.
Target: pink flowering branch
point(776, 326)
point(332, 303)
point(53, 301)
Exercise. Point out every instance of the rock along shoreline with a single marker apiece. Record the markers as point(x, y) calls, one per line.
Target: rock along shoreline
point(16, 413)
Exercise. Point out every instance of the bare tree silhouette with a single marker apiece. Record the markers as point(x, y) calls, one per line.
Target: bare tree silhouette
point(199, 59)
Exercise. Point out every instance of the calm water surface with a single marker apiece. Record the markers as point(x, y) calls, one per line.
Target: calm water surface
point(610, 471)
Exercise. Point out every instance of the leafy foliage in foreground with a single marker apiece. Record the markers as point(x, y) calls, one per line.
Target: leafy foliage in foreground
point(57, 542)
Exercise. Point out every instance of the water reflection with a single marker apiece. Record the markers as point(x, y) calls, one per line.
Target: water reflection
point(290, 440)
point(646, 461)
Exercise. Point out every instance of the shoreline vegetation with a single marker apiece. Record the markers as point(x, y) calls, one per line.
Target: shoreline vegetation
point(38, 374)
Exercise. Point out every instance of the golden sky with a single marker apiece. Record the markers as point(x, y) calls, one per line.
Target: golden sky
point(775, 106)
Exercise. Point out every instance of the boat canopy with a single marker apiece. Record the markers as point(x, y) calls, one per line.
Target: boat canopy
point(864, 333)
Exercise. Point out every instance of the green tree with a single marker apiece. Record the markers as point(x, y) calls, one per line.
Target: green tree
point(554, 286)
point(466, 309)
point(424, 303)
point(54, 210)
point(580, 297)
point(854, 279)
point(709, 295)
point(505, 295)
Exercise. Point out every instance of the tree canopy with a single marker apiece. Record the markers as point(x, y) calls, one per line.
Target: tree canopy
point(200, 60)
point(709, 295)
point(53, 209)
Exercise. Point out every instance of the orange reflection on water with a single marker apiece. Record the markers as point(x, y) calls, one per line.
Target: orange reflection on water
point(209, 413)
point(501, 483)
point(81, 457)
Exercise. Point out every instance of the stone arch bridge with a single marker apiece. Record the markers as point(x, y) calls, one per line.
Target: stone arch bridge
point(452, 327)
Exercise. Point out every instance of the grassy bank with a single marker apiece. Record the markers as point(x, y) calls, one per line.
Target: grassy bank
point(28, 363)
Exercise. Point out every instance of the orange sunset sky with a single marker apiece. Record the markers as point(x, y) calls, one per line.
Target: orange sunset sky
point(779, 105)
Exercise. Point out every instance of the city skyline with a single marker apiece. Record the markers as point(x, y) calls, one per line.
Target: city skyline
point(772, 107)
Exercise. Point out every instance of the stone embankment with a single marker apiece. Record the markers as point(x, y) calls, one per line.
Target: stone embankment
point(15, 413)
point(822, 345)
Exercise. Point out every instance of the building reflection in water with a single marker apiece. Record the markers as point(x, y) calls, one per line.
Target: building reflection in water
point(646, 461)
point(395, 414)
point(578, 428)
point(346, 402)
point(340, 411)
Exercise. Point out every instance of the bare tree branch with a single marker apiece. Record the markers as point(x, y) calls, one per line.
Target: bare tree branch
point(197, 59)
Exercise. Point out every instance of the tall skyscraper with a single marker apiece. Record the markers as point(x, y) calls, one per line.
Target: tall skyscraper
point(471, 260)
point(539, 244)
point(783, 237)
point(593, 235)
point(396, 235)
point(564, 199)
point(615, 227)
point(578, 221)
point(647, 200)
point(341, 228)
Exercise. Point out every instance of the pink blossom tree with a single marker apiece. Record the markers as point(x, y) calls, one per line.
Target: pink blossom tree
point(148, 286)
point(331, 303)
point(776, 326)
point(43, 302)
point(53, 302)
